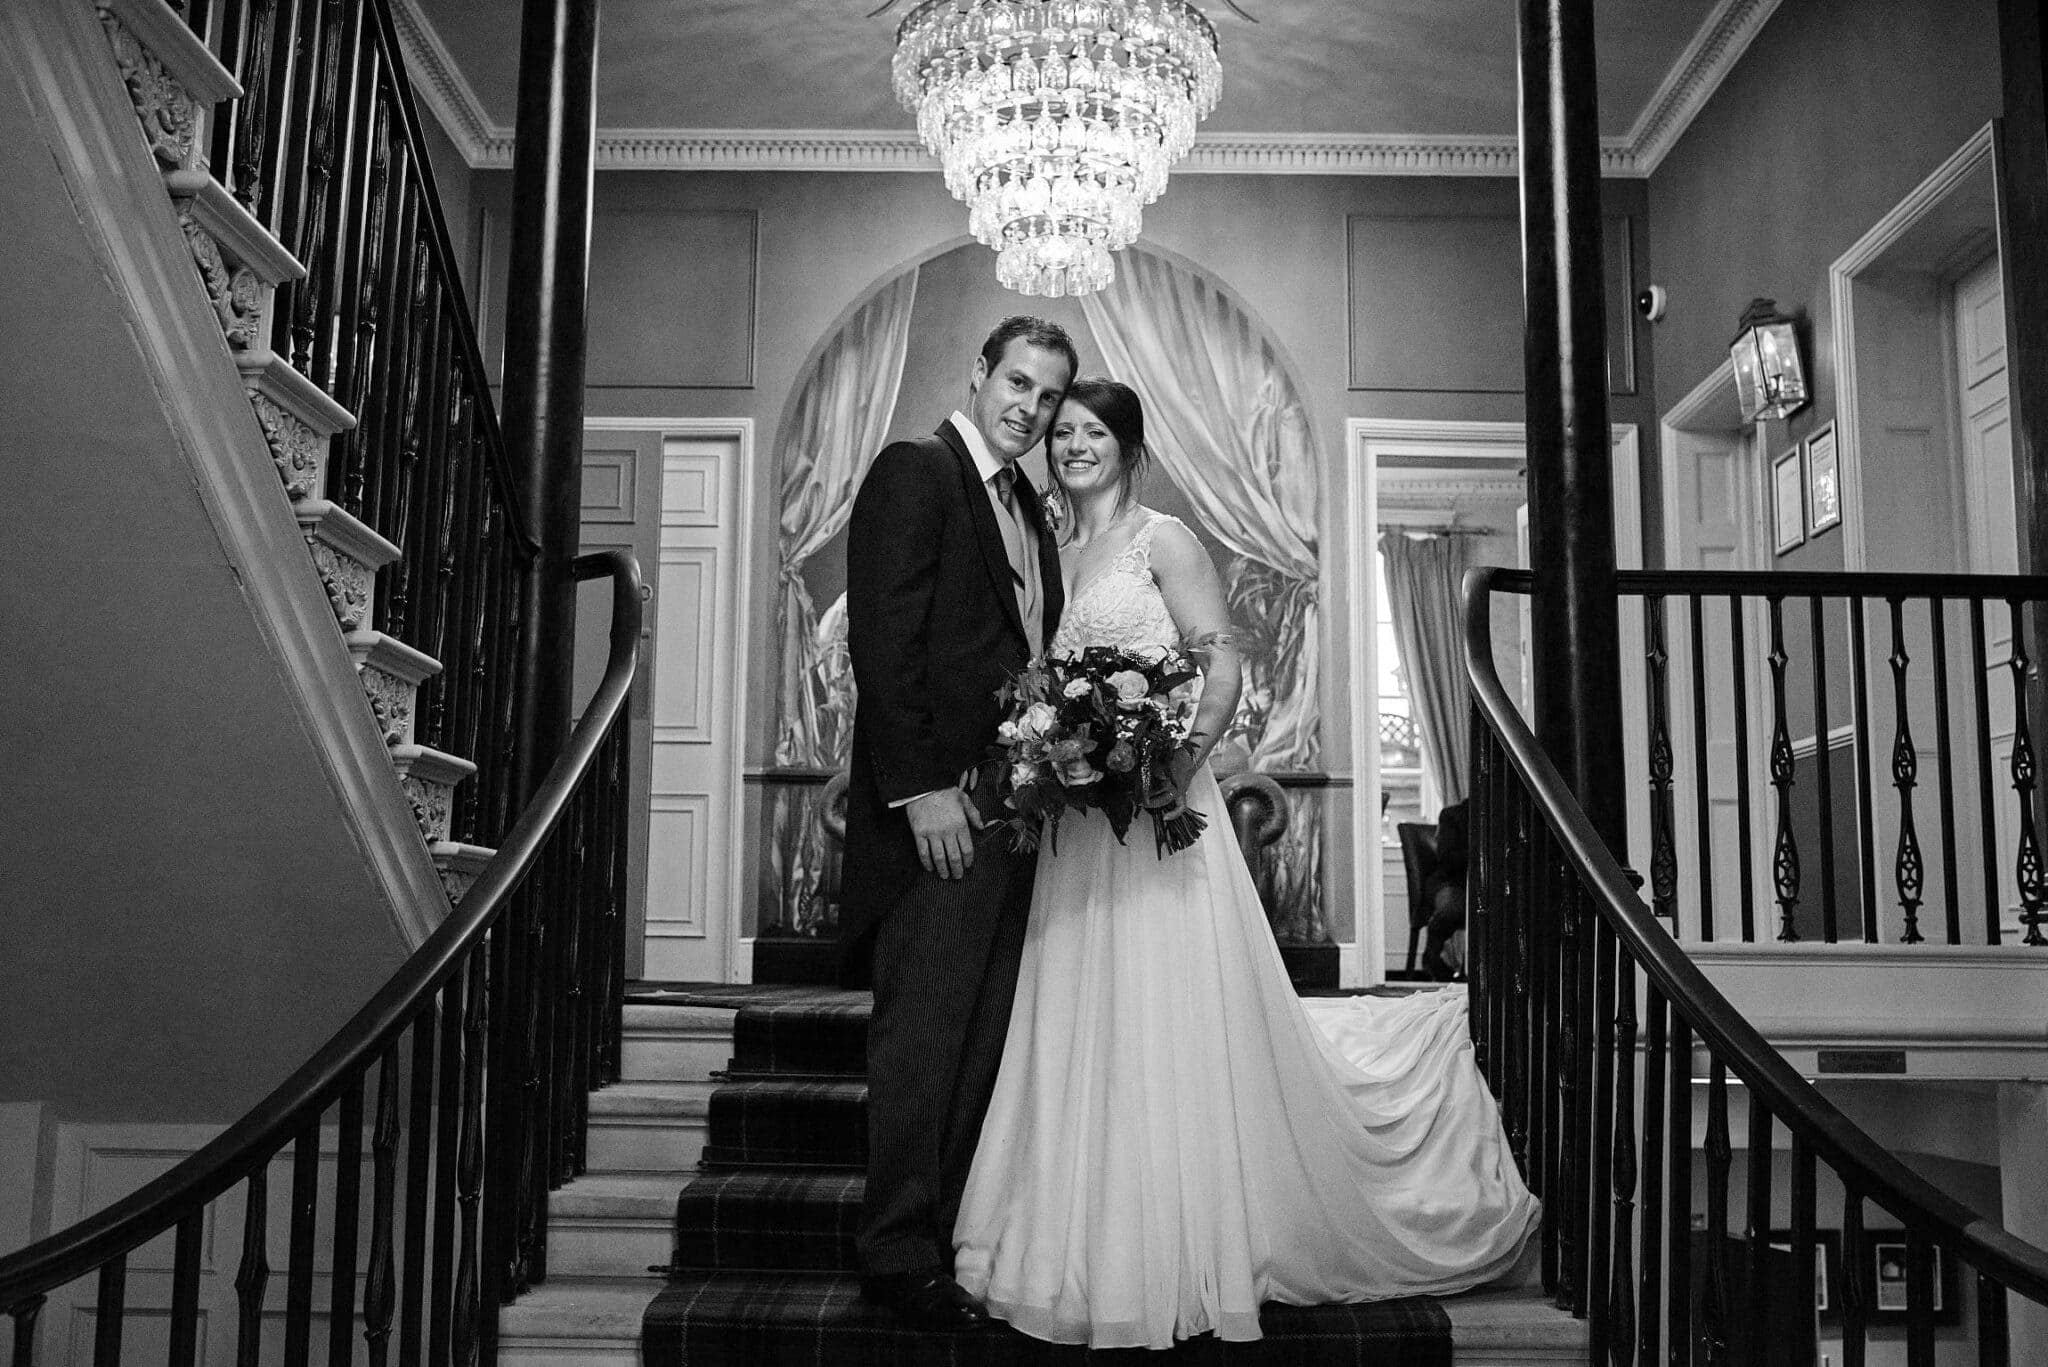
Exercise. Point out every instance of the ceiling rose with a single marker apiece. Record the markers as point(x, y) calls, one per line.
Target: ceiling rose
point(1056, 121)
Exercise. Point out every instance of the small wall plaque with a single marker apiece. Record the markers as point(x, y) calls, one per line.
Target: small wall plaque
point(1861, 1060)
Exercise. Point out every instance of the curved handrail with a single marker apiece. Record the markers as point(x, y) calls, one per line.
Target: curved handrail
point(1983, 1243)
point(251, 1141)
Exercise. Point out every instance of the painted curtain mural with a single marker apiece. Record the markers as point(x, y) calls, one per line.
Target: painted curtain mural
point(1233, 440)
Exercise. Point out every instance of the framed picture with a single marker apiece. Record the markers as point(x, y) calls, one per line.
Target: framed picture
point(1827, 1270)
point(1788, 501)
point(1823, 482)
point(1885, 1281)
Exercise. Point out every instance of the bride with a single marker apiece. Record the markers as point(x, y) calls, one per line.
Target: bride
point(1176, 1137)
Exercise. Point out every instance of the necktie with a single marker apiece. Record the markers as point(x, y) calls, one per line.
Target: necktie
point(1023, 572)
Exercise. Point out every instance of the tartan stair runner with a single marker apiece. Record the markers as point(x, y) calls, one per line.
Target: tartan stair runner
point(763, 1270)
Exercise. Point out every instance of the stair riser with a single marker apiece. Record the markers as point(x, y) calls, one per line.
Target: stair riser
point(797, 1125)
point(667, 1056)
point(607, 1247)
point(806, 1225)
point(627, 1145)
point(772, 1041)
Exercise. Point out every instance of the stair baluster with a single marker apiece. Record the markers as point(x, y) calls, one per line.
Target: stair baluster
point(419, 1159)
point(1703, 833)
point(1823, 767)
point(2028, 867)
point(1859, 673)
point(379, 1291)
point(252, 1277)
point(1663, 854)
point(1785, 850)
point(1907, 869)
point(1987, 820)
point(1738, 637)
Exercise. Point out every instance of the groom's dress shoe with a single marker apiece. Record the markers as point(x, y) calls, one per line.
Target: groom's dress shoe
point(930, 1299)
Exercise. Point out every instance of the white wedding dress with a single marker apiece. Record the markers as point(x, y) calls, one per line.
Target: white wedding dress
point(1175, 1136)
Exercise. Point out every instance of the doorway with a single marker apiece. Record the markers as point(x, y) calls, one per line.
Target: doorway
point(1404, 459)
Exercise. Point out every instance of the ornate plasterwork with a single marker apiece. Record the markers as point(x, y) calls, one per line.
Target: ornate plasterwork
point(295, 448)
point(456, 883)
point(235, 292)
point(1720, 41)
point(460, 866)
point(347, 581)
point(391, 699)
point(163, 106)
point(431, 803)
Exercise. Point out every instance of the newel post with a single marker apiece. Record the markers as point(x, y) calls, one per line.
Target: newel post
point(544, 350)
point(1573, 630)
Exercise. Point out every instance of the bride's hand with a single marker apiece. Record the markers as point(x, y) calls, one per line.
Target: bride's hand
point(1182, 768)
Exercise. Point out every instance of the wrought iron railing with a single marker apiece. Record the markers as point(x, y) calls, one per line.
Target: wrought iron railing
point(473, 1067)
point(1597, 1095)
point(1842, 757)
point(325, 148)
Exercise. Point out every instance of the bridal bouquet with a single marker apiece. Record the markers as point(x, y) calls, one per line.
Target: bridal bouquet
point(1098, 730)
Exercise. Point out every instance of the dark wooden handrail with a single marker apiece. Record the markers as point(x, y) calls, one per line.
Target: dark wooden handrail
point(250, 1142)
point(1731, 1039)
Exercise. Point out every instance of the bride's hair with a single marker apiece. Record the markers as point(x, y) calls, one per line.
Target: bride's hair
point(1117, 405)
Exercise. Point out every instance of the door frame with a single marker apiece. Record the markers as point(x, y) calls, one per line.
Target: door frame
point(1368, 441)
point(724, 679)
point(1921, 208)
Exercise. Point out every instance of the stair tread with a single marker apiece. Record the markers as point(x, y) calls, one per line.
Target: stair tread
point(679, 1018)
point(619, 1195)
point(1501, 1317)
point(651, 1098)
point(586, 1309)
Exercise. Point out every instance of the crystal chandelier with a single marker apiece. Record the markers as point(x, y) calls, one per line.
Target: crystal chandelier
point(1056, 121)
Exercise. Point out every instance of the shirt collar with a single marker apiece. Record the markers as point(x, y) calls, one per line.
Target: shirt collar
point(986, 462)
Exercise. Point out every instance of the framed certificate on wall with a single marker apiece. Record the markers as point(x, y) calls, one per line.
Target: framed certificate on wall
point(1823, 482)
point(1788, 500)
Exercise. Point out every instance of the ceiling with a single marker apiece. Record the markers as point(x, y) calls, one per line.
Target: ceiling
point(1350, 73)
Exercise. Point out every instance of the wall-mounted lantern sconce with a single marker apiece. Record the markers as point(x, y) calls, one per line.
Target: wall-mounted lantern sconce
point(1770, 380)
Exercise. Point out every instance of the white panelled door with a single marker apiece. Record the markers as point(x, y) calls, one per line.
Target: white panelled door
point(1990, 513)
point(693, 875)
point(1712, 504)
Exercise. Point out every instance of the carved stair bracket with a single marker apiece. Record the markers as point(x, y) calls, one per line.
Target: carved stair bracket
point(347, 555)
point(297, 418)
point(429, 778)
point(170, 76)
point(459, 865)
point(240, 262)
point(391, 672)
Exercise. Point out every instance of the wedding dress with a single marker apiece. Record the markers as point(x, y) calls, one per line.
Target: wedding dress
point(1175, 1136)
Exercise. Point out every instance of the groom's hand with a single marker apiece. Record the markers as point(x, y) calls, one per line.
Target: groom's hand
point(943, 824)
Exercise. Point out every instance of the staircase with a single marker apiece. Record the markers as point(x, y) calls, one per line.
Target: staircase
point(747, 1183)
point(179, 91)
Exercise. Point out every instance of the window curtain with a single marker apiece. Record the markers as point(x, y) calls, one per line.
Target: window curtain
point(1423, 582)
point(841, 416)
point(1225, 424)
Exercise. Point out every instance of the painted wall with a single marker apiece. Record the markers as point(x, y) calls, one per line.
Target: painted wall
point(187, 914)
point(1835, 112)
point(711, 295)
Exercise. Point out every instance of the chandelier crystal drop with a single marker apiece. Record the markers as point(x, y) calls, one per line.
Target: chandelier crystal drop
point(1056, 121)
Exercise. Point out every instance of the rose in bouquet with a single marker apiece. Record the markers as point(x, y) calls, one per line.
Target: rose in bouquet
point(1098, 730)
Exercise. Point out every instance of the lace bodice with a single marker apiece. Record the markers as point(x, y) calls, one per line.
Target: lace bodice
point(1120, 604)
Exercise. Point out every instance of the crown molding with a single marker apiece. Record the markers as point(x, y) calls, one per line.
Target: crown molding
point(1719, 43)
point(438, 83)
point(1723, 36)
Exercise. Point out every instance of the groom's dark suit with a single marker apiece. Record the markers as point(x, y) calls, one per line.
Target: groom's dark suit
point(934, 628)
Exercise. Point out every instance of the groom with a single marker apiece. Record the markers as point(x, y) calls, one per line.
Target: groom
point(953, 583)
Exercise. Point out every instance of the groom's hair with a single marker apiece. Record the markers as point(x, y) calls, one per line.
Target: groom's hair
point(1039, 332)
